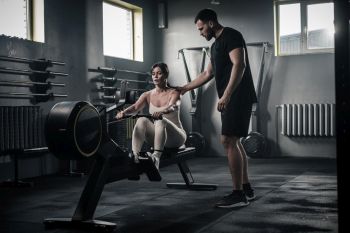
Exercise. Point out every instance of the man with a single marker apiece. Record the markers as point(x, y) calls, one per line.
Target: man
point(230, 67)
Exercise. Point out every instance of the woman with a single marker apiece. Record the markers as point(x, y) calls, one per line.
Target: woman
point(166, 130)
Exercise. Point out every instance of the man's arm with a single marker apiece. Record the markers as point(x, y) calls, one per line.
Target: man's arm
point(201, 79)
point(237, 57)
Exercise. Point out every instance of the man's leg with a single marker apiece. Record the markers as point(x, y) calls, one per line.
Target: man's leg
point(235, 160)
point(248, 190)
point(245, 162)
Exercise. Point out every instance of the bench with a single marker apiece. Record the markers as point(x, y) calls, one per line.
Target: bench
point(17, 155)
point(179, 157)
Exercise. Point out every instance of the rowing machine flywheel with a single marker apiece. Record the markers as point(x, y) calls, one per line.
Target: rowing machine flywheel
point(73, 130)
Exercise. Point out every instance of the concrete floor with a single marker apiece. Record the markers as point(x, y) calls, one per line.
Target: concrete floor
point(293, 195)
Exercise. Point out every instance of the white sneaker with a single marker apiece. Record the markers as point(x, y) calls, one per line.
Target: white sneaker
point(156, 160)
point(154, 157)
point(136, 158)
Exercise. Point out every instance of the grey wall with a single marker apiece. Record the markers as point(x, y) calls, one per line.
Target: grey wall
point(73, 34)
point(289, 79)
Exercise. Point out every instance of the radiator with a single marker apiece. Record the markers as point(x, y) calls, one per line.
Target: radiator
point(21, 127)
point(309, 120)
point(121, 132)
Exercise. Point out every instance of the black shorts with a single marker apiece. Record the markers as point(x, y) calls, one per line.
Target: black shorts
point(236, 118)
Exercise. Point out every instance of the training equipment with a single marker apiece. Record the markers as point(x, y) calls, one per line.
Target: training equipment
point(255, 143)
point(195, 138)
point(73, 130)
point(77, 130)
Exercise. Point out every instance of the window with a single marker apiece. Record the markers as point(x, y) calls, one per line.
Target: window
point(122, 30)
point(304, 26)
point(23, 19)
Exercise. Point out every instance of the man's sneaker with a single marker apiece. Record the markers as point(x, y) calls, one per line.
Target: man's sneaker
point(248, 191)
point(235, 199)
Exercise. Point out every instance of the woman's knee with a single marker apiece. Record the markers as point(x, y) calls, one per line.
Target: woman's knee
point(161, 123)
point(141, 125)
point(141, 122)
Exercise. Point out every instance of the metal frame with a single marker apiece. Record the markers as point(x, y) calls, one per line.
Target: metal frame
point(195, 98)
point(255, 111)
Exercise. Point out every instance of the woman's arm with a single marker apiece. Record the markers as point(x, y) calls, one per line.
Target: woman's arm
point(137, 106)
point(174, 102)
point(173, 105)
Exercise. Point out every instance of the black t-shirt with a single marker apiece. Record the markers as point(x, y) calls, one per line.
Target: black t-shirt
point(222, 66)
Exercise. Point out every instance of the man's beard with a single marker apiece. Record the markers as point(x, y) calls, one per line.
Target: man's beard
point(210, 35)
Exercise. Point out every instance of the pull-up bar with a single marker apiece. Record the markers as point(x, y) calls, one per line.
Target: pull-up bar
point(194, 48)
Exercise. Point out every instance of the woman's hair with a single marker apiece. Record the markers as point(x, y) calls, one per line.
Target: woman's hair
point(163, 67)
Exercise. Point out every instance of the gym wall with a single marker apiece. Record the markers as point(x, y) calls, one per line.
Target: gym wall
point(289, 79)
point(73, 34)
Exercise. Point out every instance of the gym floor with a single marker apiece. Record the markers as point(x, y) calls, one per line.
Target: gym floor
point(293, 195)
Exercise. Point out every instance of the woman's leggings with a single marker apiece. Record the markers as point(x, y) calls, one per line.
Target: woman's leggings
point(162, 133)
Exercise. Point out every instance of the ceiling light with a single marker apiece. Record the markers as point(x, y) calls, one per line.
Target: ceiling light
point(215, 2)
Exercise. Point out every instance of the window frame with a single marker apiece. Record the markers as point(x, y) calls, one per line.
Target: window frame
point(35, 30)
point(303, 25)
point(136, 30)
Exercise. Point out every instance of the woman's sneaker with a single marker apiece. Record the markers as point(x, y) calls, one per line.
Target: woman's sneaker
point(156, 160)
point(249, 192)
point(236, 199)
point(153, 157)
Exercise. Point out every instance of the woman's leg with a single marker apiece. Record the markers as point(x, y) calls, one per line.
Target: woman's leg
point(166, 134)
point(143, 131)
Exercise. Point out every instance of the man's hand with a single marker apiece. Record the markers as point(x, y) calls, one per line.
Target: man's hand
point(222, 103)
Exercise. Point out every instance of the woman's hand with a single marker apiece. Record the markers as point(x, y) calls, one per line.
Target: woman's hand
point(157, 115)
point(120, 115)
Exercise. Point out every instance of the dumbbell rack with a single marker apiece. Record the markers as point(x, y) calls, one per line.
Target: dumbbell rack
point(111, 95)
point(21, 125)
point(38, 74)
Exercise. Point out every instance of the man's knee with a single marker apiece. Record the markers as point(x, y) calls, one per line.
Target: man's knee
point(229, 141)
